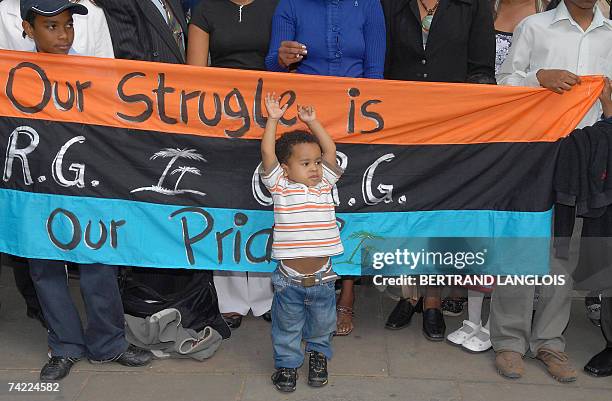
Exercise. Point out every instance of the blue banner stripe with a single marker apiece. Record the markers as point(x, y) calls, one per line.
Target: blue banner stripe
point(152, 235)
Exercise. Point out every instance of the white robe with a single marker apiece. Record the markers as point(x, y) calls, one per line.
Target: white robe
point(239, 292)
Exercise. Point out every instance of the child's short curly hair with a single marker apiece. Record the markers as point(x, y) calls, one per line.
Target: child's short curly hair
point(285, 143)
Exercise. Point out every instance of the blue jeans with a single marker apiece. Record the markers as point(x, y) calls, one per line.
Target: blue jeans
point(301, 313)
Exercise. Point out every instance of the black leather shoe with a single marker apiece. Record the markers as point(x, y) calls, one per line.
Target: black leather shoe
point(57, 368)
point(402, 313)
point(285, 379)
point(233, 321)
point(601, 364)
point(267, 316)
point(317, 369)
point(132, 356)
point(433, 324)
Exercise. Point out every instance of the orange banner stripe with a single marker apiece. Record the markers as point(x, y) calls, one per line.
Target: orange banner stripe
point(218, 102)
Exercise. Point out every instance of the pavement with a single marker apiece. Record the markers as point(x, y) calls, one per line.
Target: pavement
point(372, 364)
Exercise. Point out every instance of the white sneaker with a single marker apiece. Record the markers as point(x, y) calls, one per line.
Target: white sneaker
point(463, 333)
point(480, 342)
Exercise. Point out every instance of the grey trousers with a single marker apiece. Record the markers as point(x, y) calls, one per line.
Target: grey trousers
point(512, 325)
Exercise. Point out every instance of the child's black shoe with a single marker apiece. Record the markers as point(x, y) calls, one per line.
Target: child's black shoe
point(317, 369)
point(285, 379)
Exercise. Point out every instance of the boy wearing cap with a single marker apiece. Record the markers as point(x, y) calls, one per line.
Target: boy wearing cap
point(49, 24)
point(91, 34)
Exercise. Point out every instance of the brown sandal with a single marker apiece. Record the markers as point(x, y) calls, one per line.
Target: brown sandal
point(344, 325)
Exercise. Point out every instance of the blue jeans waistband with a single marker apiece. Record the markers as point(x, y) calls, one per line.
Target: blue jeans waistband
point(308, 280)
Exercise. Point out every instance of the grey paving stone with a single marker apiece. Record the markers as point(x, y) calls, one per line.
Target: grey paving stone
point(363, 352)
point(529, 392)
point(341, 388)
point(171, 387)
point(412, 355)
point(23, 342)
point(248, 350)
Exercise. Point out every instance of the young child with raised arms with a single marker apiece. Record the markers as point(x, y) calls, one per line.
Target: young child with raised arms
point(299, 169)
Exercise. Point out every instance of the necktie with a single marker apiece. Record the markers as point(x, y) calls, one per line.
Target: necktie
point(175, 26)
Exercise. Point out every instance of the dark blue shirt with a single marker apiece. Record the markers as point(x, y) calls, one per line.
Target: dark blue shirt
point(344, 38)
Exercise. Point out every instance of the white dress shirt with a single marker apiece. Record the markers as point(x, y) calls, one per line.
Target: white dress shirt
point(553, 40)
point(91, 34)
point(604, 7)
point(160, 6)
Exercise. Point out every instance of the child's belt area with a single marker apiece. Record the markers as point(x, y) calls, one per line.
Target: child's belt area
point(309, 280)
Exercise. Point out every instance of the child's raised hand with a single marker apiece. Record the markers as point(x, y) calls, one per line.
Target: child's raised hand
point(606, 98)
point(306, 113)
point(275, 112)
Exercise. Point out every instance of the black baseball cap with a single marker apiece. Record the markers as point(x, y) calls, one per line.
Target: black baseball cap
point(49, 8)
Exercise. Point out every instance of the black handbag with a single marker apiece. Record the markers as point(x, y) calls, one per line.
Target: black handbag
point(192, 292)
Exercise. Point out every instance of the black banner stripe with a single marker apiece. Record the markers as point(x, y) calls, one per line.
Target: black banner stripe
point(96, 161)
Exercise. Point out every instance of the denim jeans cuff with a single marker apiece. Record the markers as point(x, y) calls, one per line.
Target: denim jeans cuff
point(327, 351)
point(288, 364)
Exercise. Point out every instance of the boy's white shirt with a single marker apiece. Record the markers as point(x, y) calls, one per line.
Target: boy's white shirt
point(71, 52)
point(91, 33)
point(553, 40)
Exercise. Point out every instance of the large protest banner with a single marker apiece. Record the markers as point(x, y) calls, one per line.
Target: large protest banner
point(147, 164)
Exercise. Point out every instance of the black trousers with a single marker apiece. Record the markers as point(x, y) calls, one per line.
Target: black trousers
point(23, 282)
point(104, 336)
point(25, 286)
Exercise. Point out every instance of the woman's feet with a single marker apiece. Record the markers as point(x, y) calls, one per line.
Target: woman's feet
point(433, 319)
point(433, 324)
point(344, 325)
point(402, 313)
point(344, 308)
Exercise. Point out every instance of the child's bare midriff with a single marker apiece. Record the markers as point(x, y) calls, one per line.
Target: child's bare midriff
point(306, 265)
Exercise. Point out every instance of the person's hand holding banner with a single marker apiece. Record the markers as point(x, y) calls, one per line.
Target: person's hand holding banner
point(557, 81)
